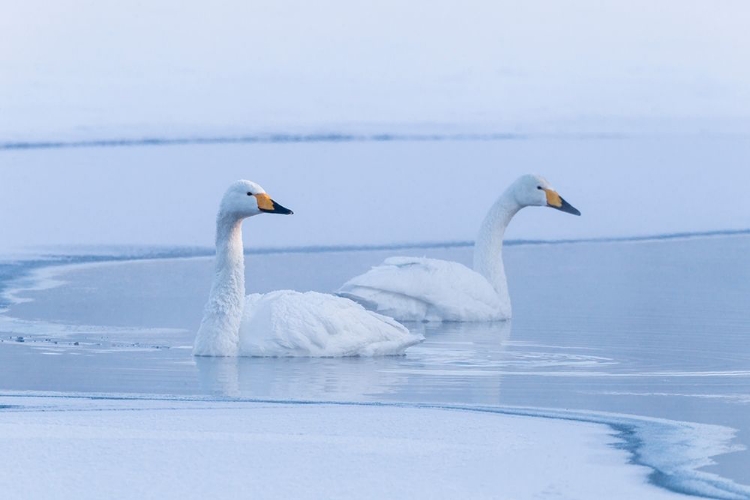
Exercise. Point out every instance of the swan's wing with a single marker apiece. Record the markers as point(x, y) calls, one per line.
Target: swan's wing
point(421, 289)
point(288, 323)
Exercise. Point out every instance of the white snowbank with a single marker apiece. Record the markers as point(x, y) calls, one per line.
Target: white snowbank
point(84, 448)
point(398, 192)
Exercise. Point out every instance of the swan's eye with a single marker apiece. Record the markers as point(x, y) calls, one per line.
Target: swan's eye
point(249, 193)
point(538, 187)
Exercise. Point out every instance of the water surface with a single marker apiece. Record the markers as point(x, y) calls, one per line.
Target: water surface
point(654, 328)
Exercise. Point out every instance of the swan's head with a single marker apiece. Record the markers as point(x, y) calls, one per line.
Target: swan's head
point(245, 199)
point(534, 190)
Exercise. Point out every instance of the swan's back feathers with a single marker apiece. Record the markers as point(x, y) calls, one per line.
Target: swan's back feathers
point(422, 289)
point(289, 323)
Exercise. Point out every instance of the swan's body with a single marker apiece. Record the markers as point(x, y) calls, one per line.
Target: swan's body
point(287, 323)
point(283, 323)
point(421, 289)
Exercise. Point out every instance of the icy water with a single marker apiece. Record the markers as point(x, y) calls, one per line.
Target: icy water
point(652, 328)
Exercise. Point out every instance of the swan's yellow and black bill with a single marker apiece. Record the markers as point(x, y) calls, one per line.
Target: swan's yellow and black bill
point(267, 205)
point(554, 200)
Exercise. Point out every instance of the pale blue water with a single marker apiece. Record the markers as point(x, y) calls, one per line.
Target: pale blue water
point(650, 328)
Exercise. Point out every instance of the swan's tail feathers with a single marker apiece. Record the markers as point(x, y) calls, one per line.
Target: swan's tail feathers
point(391, 347)
point(392, 304)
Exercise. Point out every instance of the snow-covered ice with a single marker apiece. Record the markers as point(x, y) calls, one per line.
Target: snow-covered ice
point(372, 193)
point(55, 447)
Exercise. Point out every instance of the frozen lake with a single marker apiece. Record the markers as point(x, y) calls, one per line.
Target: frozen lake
point(626, 361)
point(652, 329)
point(625, 372)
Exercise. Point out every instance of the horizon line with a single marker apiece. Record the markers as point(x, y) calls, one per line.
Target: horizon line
point(282, 138)
point(341, 136)
point(320, 137)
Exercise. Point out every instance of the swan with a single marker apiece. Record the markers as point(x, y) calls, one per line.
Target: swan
point(422, 289)
point(281, 323)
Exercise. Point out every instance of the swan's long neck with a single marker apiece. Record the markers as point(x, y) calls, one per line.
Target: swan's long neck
point(488, 249)
point(219, 331)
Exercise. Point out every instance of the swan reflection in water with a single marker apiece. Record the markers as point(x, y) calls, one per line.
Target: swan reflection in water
point(459, 362)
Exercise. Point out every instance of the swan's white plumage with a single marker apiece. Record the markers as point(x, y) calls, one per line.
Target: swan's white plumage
point(283, 323)
point(413, 289)
point(421, 289)
point(289, 323)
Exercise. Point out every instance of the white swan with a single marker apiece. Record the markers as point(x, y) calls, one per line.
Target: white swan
point(282, 323)
point(421, 289)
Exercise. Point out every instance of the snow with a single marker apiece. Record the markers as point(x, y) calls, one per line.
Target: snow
point(80, 70)
point(370, 193)
point(94, 448)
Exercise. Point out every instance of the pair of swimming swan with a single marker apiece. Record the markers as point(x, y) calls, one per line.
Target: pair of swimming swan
point(361, 320)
